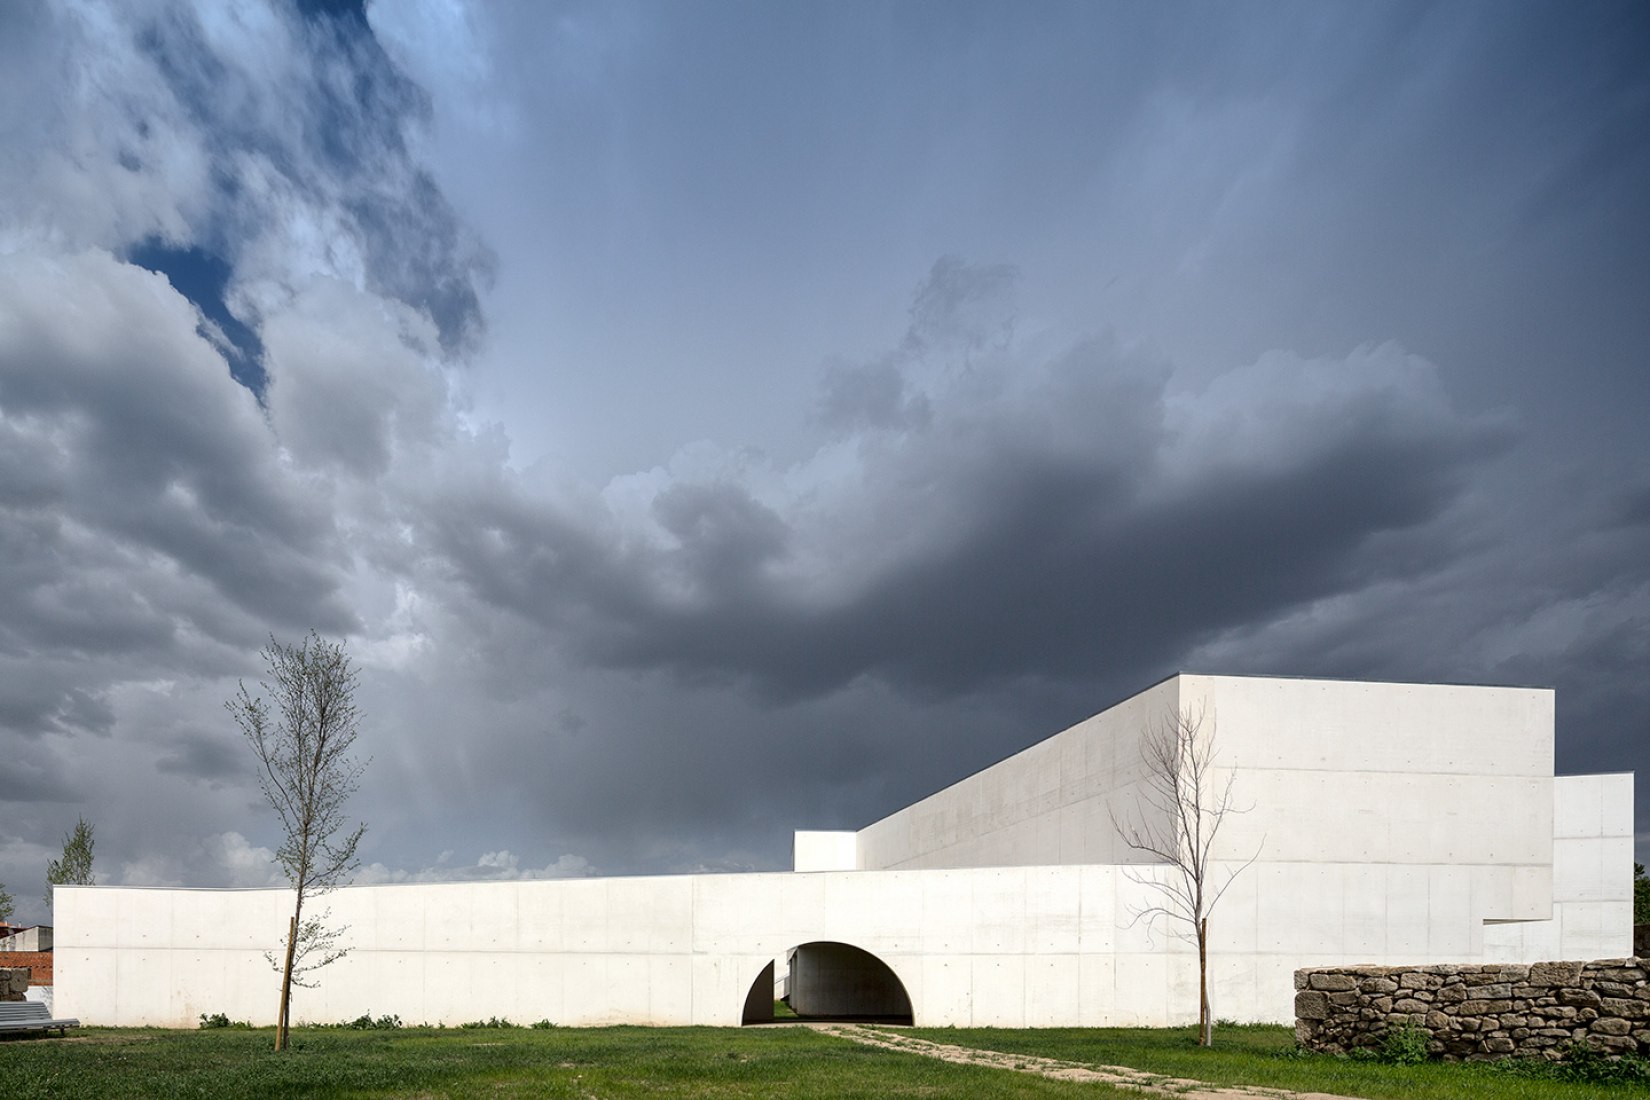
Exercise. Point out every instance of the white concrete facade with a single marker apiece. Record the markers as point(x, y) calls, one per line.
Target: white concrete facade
point(1394, 823)
point(37, 938)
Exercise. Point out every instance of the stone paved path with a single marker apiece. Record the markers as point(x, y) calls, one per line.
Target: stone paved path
point(1120, 1076)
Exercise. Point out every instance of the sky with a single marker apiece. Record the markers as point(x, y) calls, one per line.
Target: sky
point(706, 420)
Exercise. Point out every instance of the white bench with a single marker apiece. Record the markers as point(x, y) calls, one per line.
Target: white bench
point(31, 1016)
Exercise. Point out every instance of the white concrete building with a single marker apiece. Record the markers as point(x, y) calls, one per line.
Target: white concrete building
point(34, 938)
point(1394, 823)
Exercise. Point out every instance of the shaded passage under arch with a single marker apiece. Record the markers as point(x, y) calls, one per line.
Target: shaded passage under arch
point(837, 981)
point(759, 1001)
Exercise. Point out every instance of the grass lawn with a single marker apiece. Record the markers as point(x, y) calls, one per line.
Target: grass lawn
point(795, 1063)
point(1256, 1054)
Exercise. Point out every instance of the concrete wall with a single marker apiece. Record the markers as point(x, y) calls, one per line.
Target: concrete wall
point(1393, 797)
point(1049, 804)
point(814, 850)
point(981, 947)
point(1592, 870)
point(999, 947)
point(1393, 776)
point(1392, 822)
point(1337, 772)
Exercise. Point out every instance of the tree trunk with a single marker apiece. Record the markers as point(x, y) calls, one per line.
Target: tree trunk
point(286, 983)
point(1205, 1025)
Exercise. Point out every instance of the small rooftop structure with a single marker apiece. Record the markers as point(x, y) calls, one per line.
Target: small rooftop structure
point(36, 937)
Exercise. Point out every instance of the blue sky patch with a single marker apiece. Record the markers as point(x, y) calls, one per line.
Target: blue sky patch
point(202, 277)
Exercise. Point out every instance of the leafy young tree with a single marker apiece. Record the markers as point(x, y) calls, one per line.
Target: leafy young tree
point(1178, 817)
point(1641, 895)
point(5, 903)
point(303, 743)
point(75, 868)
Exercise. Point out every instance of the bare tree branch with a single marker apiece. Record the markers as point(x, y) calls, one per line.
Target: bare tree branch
point(1177, 819)
point(306, 774)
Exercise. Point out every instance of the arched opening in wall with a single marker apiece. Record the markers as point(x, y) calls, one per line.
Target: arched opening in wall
point(759, 1001)
point(838, 981)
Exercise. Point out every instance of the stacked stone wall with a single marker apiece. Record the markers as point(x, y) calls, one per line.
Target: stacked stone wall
point(14, 983)
point(1483, 1011)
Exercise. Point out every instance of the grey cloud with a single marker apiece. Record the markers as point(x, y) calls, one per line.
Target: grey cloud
point(1052, 519)
point(1493, 597)
point(351, 393)
point(34, 774)
point(358, 115)
point(418, 251)
point(1634, 505)
point(959, 314)
point(724, 535)
point(46, 695)
point(206, 756)
point(871, 395)
point(981, 527)
point(520, 558)
point(197, 145)
point(164, 521)
point(962, 307)
point(1605, 704)
point(90, 611)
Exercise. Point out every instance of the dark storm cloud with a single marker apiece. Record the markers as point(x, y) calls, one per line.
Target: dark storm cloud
point(725, 536)
point(1606, 699)
point(205, 756)
point(32, 775)
point(45, 696)
point(1091, 521)
point(153, 516)
point(1537, 578)
point(1324, 357)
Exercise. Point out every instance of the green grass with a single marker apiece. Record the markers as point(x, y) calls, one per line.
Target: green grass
point(796, 1063)
point(1265, 1055)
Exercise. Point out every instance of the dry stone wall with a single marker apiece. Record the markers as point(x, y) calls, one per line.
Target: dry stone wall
point(1479, 1011)
point(14, 983)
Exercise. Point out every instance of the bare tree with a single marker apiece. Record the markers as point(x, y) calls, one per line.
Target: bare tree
point(307, 774)
point(75, 868)
point(1178, 816)
point(5, 903)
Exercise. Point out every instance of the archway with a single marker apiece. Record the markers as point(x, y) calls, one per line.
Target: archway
point(838, 981)
point(759, 1001)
